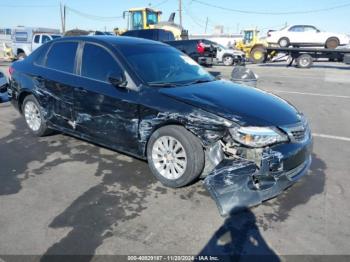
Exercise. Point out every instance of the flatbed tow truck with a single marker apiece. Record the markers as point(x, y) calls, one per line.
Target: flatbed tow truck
point(304, 57)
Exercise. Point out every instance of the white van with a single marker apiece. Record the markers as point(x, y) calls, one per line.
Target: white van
point(26, 39)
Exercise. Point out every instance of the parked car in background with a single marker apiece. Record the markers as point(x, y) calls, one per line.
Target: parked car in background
point(151, 34)
point(3, 86)
point(306, 35)
point(226, 56)
point(26, 39)
point(201, 52)
point(152, 101)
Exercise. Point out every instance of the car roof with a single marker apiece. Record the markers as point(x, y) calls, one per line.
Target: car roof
point(108, 39)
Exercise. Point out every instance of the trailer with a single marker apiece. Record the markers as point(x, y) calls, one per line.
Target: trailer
point(304, 57)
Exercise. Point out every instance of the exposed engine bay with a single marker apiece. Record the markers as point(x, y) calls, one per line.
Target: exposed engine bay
point(243, 177)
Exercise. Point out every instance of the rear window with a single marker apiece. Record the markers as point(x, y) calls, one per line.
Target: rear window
point(62, 56)
point(40, 54)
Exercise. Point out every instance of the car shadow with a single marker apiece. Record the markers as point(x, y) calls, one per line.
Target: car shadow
point(239, 238)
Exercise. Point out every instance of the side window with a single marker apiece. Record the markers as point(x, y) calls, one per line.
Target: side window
point(62, 56)
point(97, 63)
point(309, 29)
point(297, 29)
point(45, 38)
point(37, 39)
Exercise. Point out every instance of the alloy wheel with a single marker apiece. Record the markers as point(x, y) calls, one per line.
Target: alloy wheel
point(169, 157)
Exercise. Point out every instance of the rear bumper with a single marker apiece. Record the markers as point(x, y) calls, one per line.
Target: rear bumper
point(237, 184)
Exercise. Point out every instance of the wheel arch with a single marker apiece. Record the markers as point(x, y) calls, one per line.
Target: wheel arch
point(21, 98)
point(171, 122)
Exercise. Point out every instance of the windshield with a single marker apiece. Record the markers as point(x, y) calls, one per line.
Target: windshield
point(163, 65)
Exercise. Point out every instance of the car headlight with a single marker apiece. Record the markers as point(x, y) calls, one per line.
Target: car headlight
point(254, 136)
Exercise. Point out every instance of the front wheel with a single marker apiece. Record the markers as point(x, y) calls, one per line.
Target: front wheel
point(175, 156)
point(34, 117)
point(332, 42)
point(258, 54)
point(228, 60)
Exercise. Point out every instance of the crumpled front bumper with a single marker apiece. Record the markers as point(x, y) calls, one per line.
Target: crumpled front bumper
point(236, 184)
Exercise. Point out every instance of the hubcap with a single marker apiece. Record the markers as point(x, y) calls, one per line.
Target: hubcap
point(257, 55)
point(304, 62)
point(32, 115)
point(228, 60)
point(169, 157)
point(283, 43)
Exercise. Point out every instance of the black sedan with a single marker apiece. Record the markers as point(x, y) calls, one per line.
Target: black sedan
point(149, 100)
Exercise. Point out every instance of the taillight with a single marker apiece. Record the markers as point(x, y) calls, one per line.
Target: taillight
point(200, 47)
point(11, 70)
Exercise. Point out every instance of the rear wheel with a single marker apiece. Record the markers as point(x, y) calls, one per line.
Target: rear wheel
point(284, 42)
point(258, 54)
point(304, 61)
point(332, 42)
point(34, 117)
point(175, 156)
point(227, 60)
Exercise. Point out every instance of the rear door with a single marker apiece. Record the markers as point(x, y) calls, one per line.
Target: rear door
point(57, 82)
point(296, 34)
point(105, 113)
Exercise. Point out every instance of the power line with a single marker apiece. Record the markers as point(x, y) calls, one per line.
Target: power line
point(93, 17)
point(271, 13)
point(160, 3)
point(28, 6)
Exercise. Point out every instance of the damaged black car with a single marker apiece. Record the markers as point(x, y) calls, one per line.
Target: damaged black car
point(150, 100)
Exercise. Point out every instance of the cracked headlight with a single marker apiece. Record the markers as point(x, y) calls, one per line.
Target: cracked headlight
point(254, 136)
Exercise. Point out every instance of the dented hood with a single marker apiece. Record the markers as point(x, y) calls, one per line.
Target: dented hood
point(245, 105)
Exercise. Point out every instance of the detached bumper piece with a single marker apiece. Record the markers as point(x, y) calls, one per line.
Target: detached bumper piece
point(238, 184)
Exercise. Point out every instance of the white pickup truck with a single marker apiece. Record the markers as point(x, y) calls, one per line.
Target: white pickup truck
point(26, 39)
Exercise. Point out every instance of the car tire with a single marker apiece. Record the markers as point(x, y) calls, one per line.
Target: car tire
point(304, 61)
point(332, 43)
point(175, 156)
point(228, 60)
point(284, 42)
point(33, 116)
point(258, 54)
point(21, 56)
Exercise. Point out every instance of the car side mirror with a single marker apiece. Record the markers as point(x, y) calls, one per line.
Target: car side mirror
point(117, 79)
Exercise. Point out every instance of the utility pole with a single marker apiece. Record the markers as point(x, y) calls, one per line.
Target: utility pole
point(63, 17)
point(180, 12)
point(206, 25)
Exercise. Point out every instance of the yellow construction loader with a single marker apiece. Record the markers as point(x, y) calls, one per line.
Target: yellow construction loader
point(149, 18)
point(253, 46)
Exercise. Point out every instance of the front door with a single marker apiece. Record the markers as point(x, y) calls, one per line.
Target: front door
point(105, 113)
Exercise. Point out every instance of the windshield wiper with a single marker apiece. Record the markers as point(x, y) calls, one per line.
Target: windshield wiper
point(199, 81)
point(163, 84)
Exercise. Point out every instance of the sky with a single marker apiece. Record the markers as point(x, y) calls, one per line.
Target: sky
point(45, 13)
